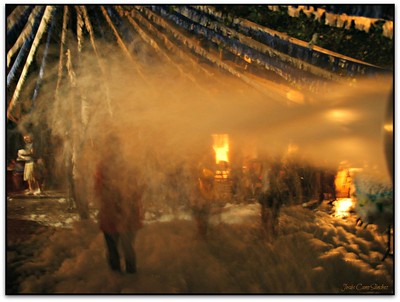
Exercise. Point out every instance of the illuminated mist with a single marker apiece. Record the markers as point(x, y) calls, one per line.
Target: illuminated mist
point(159, 120)
point(165, 119)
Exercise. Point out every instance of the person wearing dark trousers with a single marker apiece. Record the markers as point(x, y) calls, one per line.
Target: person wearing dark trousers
point(120, 209)
point(126, 239)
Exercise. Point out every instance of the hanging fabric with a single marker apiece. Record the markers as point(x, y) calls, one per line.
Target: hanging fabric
point(43, 65)
point(84, 103)
point(25, 34)
point(70, 69)
point(149, 40)
point(121, 43)
point(185, 56)
point(79, 26)
point(119, 40)
point(35, 44)
point(17, 18)
point(89, 28)
point(16, 14)
point(99, 60)
point(24, 50)
point(99, 24)
point(212, 58)
point(62, 44)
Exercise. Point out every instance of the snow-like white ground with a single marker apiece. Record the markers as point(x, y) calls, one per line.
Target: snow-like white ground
point(315, 252)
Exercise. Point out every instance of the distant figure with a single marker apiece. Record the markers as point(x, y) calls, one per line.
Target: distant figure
point(27, 155)
point(202, 201)
point(271, 201)
point(328, 184)
point(120, 213)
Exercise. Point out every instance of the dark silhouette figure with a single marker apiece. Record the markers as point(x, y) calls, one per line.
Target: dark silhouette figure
point(201, 201)
point(120, 213)
point(271, 201)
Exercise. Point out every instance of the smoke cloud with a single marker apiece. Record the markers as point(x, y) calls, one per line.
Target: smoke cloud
point(165, 118)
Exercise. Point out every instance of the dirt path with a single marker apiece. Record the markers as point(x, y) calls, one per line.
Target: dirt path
point(31, 220)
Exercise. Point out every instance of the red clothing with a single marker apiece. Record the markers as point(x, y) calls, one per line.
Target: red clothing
point(119, 211)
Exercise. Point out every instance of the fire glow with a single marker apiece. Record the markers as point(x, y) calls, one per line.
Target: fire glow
point(221, 148)
point(343, 207)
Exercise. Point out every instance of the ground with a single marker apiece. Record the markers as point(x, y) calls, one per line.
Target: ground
point(51, 251)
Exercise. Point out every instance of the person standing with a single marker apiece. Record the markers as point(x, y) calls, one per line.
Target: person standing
point(120, 209)
point(271, 201)
point(202, 201)
point(27, 154)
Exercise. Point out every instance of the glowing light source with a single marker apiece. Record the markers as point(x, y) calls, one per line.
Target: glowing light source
point(295, 96)
point(221, 147)
point(388, 127)
point(343, 206)
point(247, 59)
point(341, 115)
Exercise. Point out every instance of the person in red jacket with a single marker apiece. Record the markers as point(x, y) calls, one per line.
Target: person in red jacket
point(120, 209)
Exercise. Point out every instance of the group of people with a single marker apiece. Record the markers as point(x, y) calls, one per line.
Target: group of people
point(273, 194)
point(121, 211)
